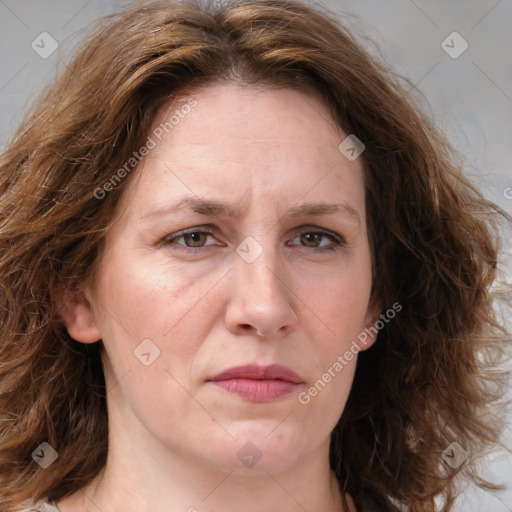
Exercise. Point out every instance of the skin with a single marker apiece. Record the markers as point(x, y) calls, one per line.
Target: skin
point(174, 437)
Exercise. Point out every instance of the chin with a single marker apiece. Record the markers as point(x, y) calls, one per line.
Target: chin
point(258, 447)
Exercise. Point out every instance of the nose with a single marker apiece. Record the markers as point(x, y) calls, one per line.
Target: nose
point(262, 301)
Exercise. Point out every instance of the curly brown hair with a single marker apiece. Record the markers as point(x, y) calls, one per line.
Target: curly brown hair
point(431, 378)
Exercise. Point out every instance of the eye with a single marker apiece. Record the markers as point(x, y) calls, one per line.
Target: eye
point(312, 239)
point(190, 239)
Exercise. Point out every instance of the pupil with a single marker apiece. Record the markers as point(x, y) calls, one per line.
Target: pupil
point(313, 238)
point(196, 238)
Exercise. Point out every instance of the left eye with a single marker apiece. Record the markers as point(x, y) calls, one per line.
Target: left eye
point(312, 239)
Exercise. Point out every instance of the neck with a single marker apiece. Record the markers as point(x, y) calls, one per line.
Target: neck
point(135, 479)
point(186, 487)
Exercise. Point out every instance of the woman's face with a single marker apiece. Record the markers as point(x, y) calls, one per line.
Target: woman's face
point(278, 272)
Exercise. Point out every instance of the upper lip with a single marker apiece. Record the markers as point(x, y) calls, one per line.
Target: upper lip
point(257, 372)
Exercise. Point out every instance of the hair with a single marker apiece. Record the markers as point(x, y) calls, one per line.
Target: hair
point(432, 377)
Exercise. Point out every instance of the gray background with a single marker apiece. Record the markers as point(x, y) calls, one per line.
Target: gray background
point(469, 97)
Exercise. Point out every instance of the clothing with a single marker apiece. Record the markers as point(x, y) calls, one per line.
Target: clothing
point(41, 506)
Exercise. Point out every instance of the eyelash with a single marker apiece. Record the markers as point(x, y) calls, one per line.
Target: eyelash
point(336, 240)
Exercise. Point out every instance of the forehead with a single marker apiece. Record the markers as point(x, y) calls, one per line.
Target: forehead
point(229, 117)
point(234, 142)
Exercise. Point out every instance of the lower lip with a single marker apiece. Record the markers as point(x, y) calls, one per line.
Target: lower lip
point(258, 390)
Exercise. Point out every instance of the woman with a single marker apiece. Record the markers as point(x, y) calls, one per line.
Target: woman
point(207, 221)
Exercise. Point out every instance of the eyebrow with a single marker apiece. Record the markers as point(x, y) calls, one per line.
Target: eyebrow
point(213, 208)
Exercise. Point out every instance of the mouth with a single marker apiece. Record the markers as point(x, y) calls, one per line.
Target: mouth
point(258, 383)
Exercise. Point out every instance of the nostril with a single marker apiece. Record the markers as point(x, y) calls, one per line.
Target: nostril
point(248, 327)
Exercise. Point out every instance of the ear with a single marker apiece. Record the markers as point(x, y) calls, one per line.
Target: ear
point(76, 313)
point(369, 334)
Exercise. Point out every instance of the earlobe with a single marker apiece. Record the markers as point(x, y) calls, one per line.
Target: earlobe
point(76, 313)
point(371, 320)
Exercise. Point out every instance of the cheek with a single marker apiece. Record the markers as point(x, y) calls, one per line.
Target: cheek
point(139, 302)
point(324, 400)
point(142, 292)
point(341, 303)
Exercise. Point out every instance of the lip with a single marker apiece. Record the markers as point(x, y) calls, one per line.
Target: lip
point(257, 372)
point(258, 383)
